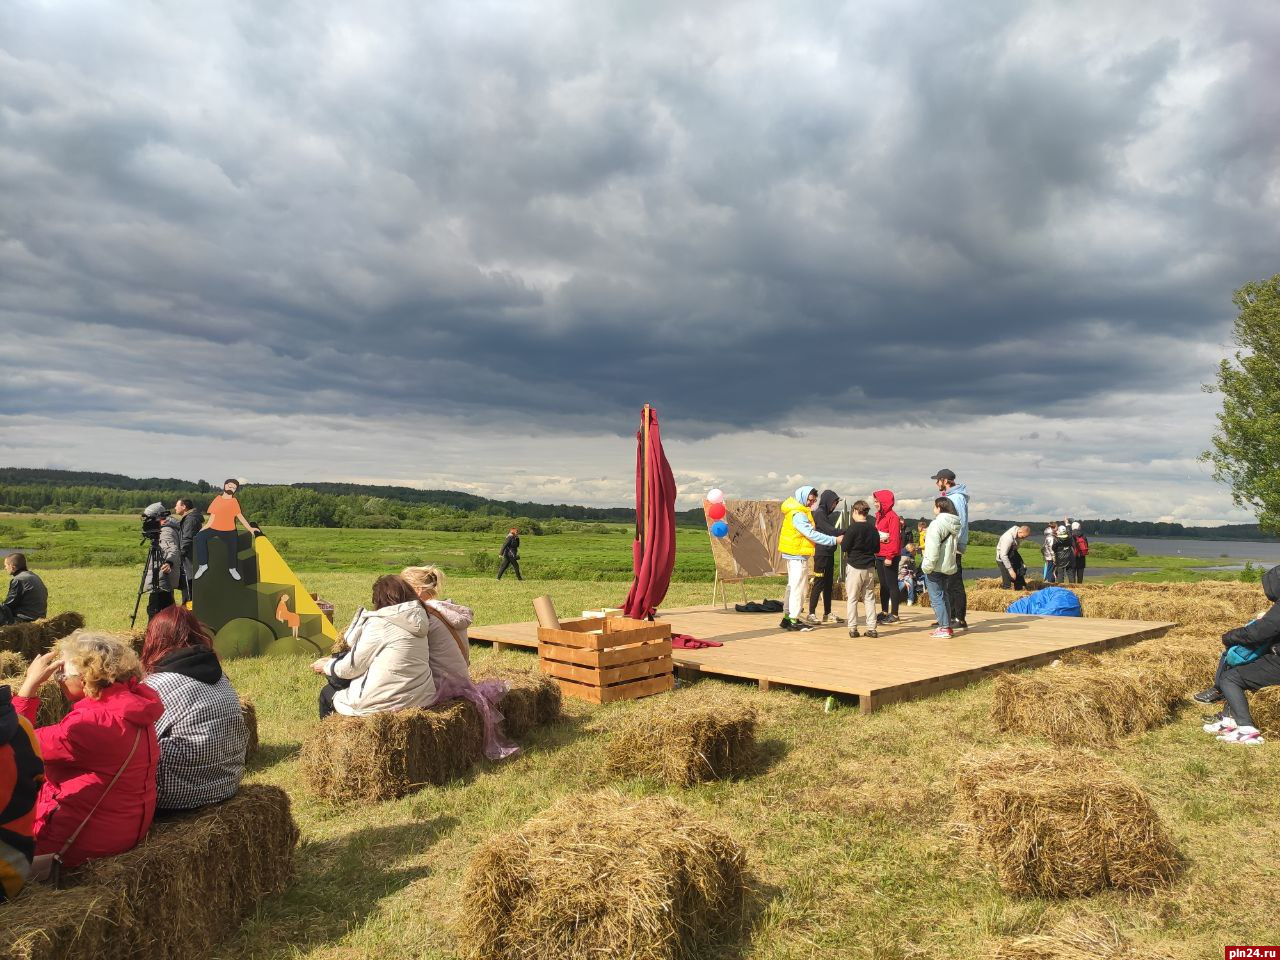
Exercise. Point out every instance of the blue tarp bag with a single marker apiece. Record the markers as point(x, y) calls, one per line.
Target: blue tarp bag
point(1049, 602)
point(1240, 655)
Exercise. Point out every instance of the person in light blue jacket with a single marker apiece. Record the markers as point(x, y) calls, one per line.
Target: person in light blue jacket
point(957, 493)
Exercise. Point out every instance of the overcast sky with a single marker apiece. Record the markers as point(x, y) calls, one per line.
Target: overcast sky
point(458, 245)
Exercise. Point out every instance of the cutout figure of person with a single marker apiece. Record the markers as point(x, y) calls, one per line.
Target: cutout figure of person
point(223, 514)
point(283, 615)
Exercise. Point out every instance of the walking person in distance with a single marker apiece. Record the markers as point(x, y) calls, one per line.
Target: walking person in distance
point(510, 554)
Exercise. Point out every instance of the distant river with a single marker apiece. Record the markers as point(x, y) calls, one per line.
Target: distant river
point(1230, 551)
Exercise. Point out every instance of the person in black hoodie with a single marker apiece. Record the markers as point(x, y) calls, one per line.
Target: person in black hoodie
point(510, 554)
point(861, 544)
point(1261, 638)
point(825, 518)
point(202, 734)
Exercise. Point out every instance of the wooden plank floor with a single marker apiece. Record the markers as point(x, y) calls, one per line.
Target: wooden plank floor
point(904, 663)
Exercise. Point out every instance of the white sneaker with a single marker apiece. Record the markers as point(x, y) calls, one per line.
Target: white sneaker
point(235, 574)
point(811, 618)
point(1246, 735)
point(199, 573)
point(1225, 725)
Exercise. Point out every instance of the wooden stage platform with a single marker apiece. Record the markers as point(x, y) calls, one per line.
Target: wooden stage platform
point(904, 663)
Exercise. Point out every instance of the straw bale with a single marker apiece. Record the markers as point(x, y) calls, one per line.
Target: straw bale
point(250, 714)
point(24, 638)
point(532, 699)
point(1087, 704)
point(706, 736)
point(188, 885)
point(75, 924)
point(1079, 937)
point(384, 756)
point(59, 626)
point(54, 704)
point(13, 664)
point(604, 875)
point(1265, 707)
point(1062, 824)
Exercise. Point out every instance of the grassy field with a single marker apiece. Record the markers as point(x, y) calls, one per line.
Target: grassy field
point(848, 829)
point(112, 541)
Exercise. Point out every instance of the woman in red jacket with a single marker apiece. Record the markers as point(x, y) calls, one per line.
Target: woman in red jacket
point(110, 730)
point(890, 527)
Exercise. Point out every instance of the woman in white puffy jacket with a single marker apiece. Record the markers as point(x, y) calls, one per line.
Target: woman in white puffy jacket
point(387, 663)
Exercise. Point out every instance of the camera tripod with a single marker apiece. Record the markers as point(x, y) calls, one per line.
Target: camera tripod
point(152, 565)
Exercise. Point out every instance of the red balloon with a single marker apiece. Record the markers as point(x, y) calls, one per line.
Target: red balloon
point(716, 511)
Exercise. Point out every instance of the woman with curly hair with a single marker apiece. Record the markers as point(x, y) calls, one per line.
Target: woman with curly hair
point(99, 793)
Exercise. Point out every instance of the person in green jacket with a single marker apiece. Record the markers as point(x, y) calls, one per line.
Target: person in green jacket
point(939, 566)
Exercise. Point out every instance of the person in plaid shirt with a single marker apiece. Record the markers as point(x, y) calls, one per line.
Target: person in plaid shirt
point(202, 733)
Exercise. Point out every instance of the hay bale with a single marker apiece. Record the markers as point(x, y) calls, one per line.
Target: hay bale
point(604, 875)
point(250, 715)
point(188, 885)
point(532, 699)
point(709, 736)
point(13, 664)
point(1265, 707)
point(47, 924)
point(24, 638)
point(1087, 704)
point(388, 755)
point(1080, 937)
point(54, 704)
point(59, 626)
point(1062, 824)
point(34, 638)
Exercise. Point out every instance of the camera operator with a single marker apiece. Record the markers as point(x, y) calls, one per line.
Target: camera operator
point(164, 568)
point(189, 522)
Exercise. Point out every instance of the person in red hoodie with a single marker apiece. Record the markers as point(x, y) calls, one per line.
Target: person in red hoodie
point(110, 730)
point(890, 526)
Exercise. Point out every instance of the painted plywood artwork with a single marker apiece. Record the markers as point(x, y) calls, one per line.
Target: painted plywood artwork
point(751, 547)
point(266, 611)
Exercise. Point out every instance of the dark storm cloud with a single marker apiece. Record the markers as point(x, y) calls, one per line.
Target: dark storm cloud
point(552, 213)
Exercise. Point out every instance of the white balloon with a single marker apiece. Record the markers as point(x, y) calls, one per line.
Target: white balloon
point(715, 495)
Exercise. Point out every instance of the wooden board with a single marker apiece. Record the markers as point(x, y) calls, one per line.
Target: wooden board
point(621, 691)
point(904, 663)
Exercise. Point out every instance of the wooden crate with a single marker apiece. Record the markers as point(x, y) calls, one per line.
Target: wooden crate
point(627, 659)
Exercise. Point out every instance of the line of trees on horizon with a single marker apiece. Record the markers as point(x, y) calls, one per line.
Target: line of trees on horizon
point(368, 506)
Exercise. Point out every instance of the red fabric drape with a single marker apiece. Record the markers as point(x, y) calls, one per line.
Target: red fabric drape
point(654, 555)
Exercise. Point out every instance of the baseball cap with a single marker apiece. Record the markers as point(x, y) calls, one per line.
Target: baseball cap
point(943, 474)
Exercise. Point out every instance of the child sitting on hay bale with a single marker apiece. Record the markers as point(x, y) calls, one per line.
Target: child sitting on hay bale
point(604, 875)
point(403, 656)
point(1250, 662)
point(202, 735)
point(1062, 824)
point(109, 737)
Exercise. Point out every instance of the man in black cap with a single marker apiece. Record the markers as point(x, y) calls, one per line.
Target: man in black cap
point(959, 495)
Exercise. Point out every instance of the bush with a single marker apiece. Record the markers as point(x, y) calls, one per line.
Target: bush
point(38, 523)
point(1113, 551)
point(482, 561)
point(70, 524)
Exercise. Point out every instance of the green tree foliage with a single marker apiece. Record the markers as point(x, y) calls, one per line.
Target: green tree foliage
point(1246, 446)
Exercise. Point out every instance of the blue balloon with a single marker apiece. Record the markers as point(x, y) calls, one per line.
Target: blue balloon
point(719, 529)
